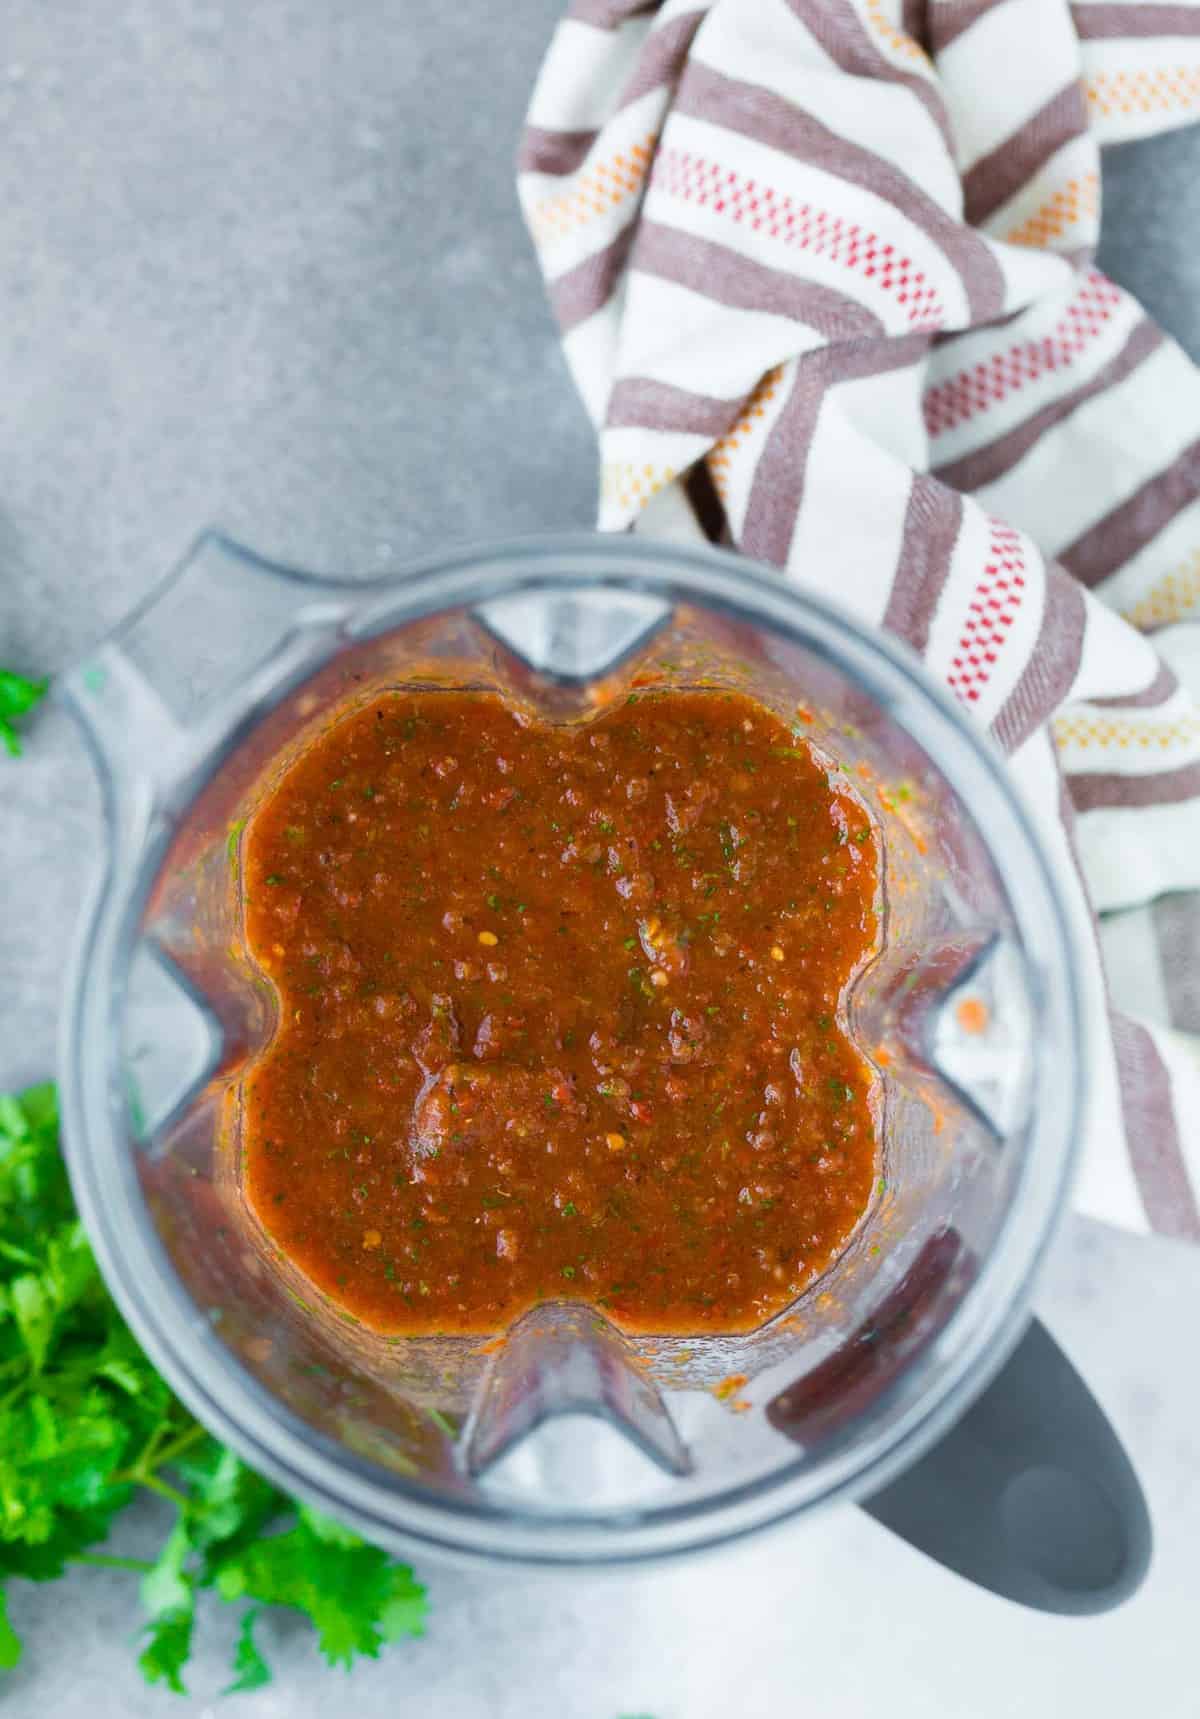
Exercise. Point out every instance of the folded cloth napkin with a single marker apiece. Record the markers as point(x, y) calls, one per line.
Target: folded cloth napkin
point(823, 271)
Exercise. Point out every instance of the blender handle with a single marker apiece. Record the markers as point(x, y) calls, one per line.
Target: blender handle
point(1031, 1493)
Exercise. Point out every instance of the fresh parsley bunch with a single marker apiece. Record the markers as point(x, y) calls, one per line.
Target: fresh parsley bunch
point(86, 1424)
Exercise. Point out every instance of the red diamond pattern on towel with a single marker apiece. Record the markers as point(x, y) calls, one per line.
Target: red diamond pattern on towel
point(694, 179)
point(950, 403)
point(990, 613)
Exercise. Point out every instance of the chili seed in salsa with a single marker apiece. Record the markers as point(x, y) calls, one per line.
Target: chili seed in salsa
point(559, 1012)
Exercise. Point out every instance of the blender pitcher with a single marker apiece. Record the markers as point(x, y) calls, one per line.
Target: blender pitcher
point(563, 1441)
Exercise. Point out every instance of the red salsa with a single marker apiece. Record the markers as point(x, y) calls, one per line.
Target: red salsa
point(559, 1012)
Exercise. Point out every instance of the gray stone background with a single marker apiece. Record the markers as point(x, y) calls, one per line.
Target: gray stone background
point(261, 265)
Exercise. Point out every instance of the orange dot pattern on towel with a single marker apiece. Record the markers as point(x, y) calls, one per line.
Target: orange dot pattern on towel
point(723, 453)
point(1134, 732)
point(1161, 89)
point(1077, 200)
point(595, 190)
point(630, 484)
point(1173, 597)
point(901, 44)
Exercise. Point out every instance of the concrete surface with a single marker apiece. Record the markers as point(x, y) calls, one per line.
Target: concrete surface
point(261, 265)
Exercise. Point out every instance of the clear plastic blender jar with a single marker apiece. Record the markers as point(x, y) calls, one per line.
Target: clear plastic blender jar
point(565, 1443)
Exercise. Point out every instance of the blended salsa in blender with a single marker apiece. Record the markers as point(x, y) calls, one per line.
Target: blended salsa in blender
point(560, 1012)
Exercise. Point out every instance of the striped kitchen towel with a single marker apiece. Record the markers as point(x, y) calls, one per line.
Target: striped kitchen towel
point(823, 272)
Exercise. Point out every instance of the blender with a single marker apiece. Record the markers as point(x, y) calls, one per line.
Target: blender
point(907, 1376)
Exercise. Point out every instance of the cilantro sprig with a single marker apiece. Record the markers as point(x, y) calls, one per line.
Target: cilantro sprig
point(17, 697)
point(86, 1424)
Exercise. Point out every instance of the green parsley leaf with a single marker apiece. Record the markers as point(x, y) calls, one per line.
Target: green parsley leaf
point(166, 1590)
point(33, 1311)
point(406, 1607)
point(351, 1591)
point(228, 1503)
point(248, 1663)
point(10, 1641)
point(17, 696)
point(325, 1528)
point(167, 1650)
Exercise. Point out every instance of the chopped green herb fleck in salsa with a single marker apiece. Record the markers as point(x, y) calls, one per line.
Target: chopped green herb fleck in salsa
point(535, 972)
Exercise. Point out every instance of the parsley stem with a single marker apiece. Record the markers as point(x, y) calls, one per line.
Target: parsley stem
point(155, 1455)
point(177, 1446)
point(110, 1561)
point(139, 1477)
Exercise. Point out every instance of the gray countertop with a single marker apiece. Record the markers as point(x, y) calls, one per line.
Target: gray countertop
point(262, 266)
